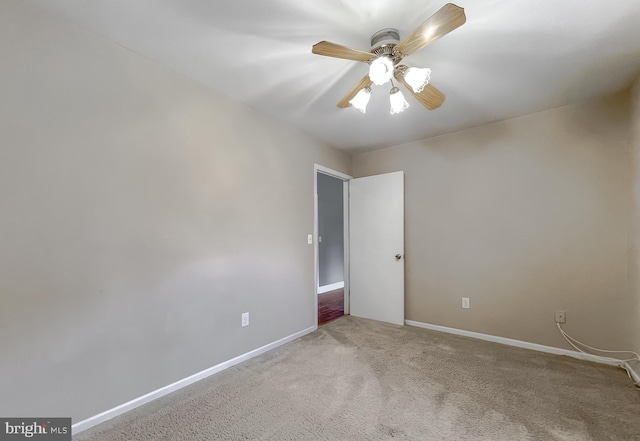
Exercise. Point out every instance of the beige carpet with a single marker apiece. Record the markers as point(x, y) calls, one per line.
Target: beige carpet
point(356, 379)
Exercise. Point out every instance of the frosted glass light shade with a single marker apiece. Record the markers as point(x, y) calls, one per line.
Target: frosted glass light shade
point(417, 78)
point(397, 101)
point(361, 99)
point(381, 70)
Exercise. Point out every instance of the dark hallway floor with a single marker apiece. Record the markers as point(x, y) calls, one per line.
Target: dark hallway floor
point(330, 306)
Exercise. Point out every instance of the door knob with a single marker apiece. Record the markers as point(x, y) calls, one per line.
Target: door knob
point(398, 256)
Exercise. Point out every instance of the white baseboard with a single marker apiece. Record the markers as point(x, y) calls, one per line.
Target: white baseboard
point(633, 373)
point(136, 402)
point(332, 287)
point(521, 344)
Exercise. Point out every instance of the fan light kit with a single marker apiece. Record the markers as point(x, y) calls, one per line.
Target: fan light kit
point(381, 70)
point(361, 99)
point(387, 51)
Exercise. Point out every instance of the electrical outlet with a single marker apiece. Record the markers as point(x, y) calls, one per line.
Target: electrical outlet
point(309, 239)
point(465, 302)
point(561, 316)
point(245, 319)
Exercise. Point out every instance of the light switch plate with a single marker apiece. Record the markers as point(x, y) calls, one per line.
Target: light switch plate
point(310, 239)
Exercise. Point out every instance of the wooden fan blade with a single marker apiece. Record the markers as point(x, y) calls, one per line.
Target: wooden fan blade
point(364, 82)
point(448, 18)
point(430, 97)
point(334, 50)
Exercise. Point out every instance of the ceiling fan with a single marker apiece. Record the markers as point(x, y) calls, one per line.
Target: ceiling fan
point(387, 51)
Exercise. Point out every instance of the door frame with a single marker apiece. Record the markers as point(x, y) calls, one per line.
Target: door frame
point(345, 200)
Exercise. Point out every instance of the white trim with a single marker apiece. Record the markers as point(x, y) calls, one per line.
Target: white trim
point(634, 374)
point(136, 402)
point(330, 287)
point(347, 249)
point(330, 172)
point(316, 257)
point(519, 343)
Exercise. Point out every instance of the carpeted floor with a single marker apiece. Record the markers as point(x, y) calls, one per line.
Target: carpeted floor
point(357, 379)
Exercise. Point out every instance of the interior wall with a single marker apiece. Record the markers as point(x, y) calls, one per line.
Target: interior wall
point(524, 217)
point(330, 229)
point(634, 228)
point(141, 214)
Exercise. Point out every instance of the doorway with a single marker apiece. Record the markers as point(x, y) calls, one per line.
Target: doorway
point(331, 245)
point(373, 245)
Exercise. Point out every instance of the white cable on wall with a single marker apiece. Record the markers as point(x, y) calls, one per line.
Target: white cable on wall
point(573, 342)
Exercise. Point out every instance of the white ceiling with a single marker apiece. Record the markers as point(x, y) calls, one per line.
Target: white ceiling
point(510, 58)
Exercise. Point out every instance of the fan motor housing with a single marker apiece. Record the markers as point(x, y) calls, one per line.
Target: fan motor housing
point(384, 38)
point(383, 43)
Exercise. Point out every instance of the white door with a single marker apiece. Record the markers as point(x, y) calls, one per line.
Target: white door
point(376, 228)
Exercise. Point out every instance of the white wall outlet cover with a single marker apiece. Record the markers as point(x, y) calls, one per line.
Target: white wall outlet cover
point(245, 319)
point(465, 303)
point(310, 239)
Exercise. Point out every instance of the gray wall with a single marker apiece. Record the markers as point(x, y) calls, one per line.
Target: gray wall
point(331, 229)
point(634, 224)
point(141, 214)
point(524, 216)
